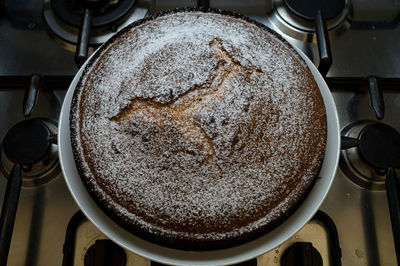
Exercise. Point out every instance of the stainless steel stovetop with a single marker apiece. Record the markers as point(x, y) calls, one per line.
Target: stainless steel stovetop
point(364, 41)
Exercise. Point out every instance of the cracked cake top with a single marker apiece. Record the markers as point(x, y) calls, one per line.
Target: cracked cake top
point(197, 130)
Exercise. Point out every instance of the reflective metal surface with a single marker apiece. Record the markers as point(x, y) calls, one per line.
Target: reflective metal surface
point(26, 46)
point(87, 234)
point(70, 34)
point(362, 215)
point(40, 172)
point(301, 29)
point(43, 211)
point(312, 232)
point(354, 167)
point(368, 45)
point(361, 50)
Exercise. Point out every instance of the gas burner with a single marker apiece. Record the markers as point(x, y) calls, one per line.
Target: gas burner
point(104, 12)
point(63, 20)
point(33, 142)
point(296, 19)
point(379, 145)
point(363, 164)
point(308, 9)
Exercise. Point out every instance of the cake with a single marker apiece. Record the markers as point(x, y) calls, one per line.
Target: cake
point(197, 129)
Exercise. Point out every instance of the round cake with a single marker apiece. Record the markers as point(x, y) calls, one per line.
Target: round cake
point(197, 129)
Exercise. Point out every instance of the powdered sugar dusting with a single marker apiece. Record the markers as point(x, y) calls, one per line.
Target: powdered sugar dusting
point(199, 126)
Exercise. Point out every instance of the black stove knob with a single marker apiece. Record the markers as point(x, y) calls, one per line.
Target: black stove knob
point(104, 253)
point(301, 254)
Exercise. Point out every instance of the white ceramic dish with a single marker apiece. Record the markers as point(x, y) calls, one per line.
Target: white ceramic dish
point(232, 255)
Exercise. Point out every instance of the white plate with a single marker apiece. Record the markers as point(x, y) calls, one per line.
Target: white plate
point(232, 255)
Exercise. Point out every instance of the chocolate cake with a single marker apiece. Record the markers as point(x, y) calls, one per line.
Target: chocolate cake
point(197, 129)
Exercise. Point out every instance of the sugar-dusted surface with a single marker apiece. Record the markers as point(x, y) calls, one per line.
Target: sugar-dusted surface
point(198, 126)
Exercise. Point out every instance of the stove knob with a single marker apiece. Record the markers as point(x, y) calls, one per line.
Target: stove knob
point(301, 254)
point(104, 253)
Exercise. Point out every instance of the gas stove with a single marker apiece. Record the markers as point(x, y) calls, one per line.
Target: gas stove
point(353, 43)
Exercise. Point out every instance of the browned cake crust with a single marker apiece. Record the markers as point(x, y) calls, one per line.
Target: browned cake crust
point(197, 130)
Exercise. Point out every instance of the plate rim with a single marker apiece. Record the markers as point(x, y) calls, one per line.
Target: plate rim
point(225, 256)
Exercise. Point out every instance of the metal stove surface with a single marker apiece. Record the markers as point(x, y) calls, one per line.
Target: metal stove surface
point(368, 47)
point(361, 215)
